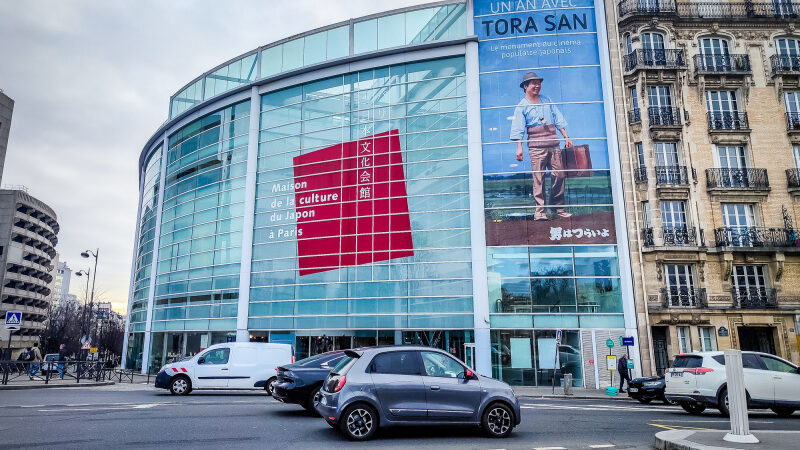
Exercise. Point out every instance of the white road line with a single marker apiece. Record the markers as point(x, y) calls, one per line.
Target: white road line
point(583, 408)
point(549, 448)
point(602, 446)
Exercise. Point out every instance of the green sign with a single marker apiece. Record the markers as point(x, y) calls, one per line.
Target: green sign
point(609, 343)
point(630, 364)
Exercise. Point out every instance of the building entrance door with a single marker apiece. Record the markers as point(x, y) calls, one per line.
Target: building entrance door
point(757, 339)
point(660, 353)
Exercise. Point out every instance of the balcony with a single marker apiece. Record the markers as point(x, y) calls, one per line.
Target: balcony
point(700, 10)
point(664, 116)
point(754, 298)
point(793, 121)
point(683, 297)
point(640, 174)
point(739, 179)
point(634, 116)
point(664, 59)
point(754, 237)
point(671, 176)
point(722, 65)
point(785, 65)
point(728, 120)
point(673, 237)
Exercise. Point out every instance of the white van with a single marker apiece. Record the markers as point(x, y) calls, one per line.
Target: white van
point(232, 365)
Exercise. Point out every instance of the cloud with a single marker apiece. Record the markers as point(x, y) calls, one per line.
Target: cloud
point(92, 81)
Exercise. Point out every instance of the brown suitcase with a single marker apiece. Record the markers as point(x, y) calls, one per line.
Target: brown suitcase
point(578, 161)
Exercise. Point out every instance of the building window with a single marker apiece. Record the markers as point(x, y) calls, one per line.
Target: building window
point(796, 154)
point(653, 41)
point(666, 154)
point(732, 157)
point(628, 43)
point(684, 340)
point(680, 290)
point(787, 47)
point(673, 222)
point(738, 215)
point(661, 111)
point(646, 214)
point(792, 105)
point(714, 55)
point(708, 339)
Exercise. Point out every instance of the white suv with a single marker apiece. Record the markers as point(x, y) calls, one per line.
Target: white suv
point(697, 380)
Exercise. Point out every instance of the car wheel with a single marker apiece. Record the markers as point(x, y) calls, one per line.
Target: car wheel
point(694, 409)
point(313, 400)
point(270, 386)
point(180, 386)
point(498, 420)
point(359, 422)
point(783, 411)
point(645, 401)
point(723, 404)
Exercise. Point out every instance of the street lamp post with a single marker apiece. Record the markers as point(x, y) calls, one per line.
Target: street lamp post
point(86, 273)
point(94, 254)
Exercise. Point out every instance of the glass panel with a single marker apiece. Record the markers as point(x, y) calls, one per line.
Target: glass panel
point(292, 54)
point(315, 48)
point(338, 45)
point(365, 36)
point(391, 31)
point(271, 61)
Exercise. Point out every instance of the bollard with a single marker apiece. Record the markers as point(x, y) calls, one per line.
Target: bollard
point(567, 384)
point(737, 400)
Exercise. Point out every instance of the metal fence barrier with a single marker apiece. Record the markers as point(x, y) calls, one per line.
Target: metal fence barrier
point(69, 370)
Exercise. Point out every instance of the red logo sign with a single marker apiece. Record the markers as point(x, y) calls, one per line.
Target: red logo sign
point(351, 204)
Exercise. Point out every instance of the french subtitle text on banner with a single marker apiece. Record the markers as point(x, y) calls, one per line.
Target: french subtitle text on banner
point(351, 204)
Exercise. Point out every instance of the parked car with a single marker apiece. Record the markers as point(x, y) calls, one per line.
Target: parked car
point(300, 383)
point(697, 380)
point(49, 363)
point(413, 385)
point(647, 389)
point(232, 365)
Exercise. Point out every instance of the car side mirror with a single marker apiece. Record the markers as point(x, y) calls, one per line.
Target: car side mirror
point(469, 375)
point(201, 360)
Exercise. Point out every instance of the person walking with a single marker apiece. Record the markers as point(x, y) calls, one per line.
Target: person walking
point(539, 118)
point(622, 368)
point(62, 359)
point(36, 361)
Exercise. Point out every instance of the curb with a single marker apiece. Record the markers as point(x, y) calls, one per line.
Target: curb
point(570, 397)
point(675, 440)
point(49, 386)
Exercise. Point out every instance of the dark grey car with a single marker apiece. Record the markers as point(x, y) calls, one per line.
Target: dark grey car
point(412, 385)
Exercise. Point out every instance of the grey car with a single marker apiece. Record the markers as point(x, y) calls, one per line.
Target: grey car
point(413, 385)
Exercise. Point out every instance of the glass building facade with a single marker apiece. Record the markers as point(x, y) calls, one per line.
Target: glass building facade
point(321, 191)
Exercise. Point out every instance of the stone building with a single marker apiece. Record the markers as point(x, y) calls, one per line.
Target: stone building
point(711, 101)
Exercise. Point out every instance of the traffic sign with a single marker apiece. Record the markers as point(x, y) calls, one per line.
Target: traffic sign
point(93, 350)
point(630, 364)
point(609, 343)
point(13, 320)
point(611, 362)
point(558, 337)
point(86, 346)
point(626, 341)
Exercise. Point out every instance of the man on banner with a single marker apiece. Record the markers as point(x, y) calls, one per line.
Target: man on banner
point(539, 118)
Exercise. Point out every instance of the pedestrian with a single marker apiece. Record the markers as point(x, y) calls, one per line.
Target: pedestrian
point(62, 359)
point(36, 360)
point(539, 118)
point(622, 368)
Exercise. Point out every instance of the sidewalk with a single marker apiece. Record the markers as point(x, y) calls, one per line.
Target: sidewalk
point(712, 440)
point(577, 393)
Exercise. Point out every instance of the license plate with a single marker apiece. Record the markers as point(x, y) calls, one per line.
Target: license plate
point(677, 374)
point(633, 389)
point(324, 400)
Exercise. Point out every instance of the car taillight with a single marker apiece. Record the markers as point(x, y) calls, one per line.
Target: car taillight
point(292, 359)
point(698, 370)
point(340, 384)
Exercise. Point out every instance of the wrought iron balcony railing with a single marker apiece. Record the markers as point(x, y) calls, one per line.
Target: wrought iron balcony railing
point(721, 64)
point(793, 178)
point(793, 121)
point(640, 174)
point(737, 178)
point(671, 237)
point(728, 120)
point(671, 175)
point(755, 237)
point(754, 298)
point(655, 59)
point(634, 116)
point(778, 9)
point(784, 65)
point(683, 297)
point(664, 116)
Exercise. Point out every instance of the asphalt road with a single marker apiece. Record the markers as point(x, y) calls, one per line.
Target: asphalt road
point(140, 416)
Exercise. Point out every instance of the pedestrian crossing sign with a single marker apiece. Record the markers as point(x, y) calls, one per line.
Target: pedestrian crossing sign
point(13, 320)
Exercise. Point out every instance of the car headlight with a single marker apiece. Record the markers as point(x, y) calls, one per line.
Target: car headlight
point(652, 383)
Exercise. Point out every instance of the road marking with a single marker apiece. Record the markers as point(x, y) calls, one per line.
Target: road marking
point(703, 421)
point(549, 448)
point(583, 408)
point(676, 427)
point(602, 446)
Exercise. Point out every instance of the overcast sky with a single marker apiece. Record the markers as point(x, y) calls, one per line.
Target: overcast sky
point(92, 81)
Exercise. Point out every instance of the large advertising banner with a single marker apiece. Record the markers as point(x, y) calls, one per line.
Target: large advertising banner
point(351, 204)
point(545, 153)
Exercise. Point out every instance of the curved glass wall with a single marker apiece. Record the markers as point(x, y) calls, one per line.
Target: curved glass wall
point(423, 104)
point(392, 30)
point(144, 256)
point(201, 232)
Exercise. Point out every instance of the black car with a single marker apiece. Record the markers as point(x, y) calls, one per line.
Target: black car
point(647, 389)
point(299, 383)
